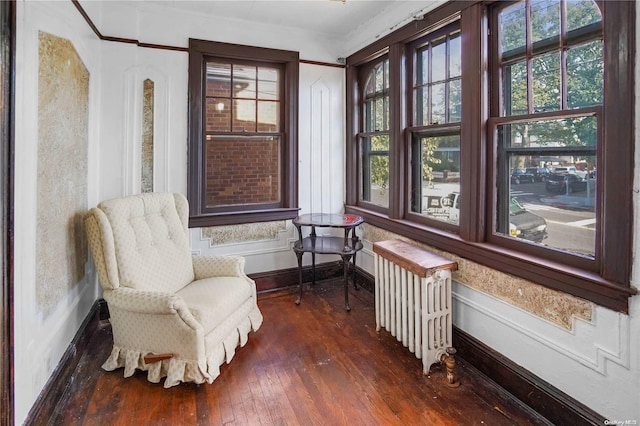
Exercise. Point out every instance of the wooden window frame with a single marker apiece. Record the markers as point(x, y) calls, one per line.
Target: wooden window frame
point(415, 131)
point(364, 134)
point(199, 214)
point(608, 282)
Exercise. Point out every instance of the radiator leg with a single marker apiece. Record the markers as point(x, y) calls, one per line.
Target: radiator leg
point(449, 361)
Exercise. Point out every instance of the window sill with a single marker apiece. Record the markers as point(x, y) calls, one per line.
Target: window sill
point(577, 282)
point(237, 218)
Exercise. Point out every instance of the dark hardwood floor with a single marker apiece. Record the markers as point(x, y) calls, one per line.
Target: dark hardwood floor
point(313, 364)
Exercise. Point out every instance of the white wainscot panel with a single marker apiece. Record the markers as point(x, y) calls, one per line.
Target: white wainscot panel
point(591, 359)
point(590, 344)
point(263, 255)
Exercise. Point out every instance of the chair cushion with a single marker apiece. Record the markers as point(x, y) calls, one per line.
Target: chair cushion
point(212, 300)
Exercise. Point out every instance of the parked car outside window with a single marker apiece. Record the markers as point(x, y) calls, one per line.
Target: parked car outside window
point(539, 173)
point(558, 182)
point(572, 170)
point(520, 176)
point(524, 224)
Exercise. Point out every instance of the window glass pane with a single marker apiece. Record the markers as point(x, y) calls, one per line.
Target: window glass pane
point(268, 116)
point(376, 170)
point(513, 28)
point(379, 143)
point(386, 75)
point(244, 81)
point(455, 57)
point(242, 170)
point(553, 206)
point(455, 101)
point(545, 19)
point(581, 13)
point(370, 86)
point(436, 178)
point(380, 83)
point(568, 132)
point(218, 79)
point(585, 75)
point(515, 89)
point(379, 115)
point(438, 106)
point(421, 108)
point(268, 83)
point(244, 116)
point(546, 82)
point(438, 61)
point(422, 66)
point(218, 115)
point(368, 116)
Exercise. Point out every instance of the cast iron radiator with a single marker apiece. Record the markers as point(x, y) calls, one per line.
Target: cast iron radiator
point(413, 298)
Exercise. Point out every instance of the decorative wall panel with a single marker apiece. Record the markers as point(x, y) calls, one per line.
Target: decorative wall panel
point(63, 101)
point(218, 235)
point(551, 305)
point(147, 136)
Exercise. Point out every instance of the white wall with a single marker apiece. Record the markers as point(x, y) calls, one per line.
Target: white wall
point(125, 66)
point(39, 342)
point(597, 363)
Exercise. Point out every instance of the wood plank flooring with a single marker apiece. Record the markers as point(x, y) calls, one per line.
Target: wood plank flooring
point(312, 364)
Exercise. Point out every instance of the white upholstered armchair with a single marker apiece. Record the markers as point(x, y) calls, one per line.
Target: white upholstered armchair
point(172, 313)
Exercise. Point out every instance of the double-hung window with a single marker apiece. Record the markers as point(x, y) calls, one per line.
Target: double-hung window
point(243, 134)
point(434, 64)
point(509, 142)
point(546, 123)
point(374, 139)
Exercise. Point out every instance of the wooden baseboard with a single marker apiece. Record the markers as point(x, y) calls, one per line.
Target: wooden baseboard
point(45, 405)
point(550, 402)
point(275, 280)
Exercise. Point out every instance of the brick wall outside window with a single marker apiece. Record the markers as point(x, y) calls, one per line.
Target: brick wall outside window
point(242, 170)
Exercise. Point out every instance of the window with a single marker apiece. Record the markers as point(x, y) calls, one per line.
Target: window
point(374, 139)
point(436, 68)
point(503, 117)
point(243, 134)
point(550, 106)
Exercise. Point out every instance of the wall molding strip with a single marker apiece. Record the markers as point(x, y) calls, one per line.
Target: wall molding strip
point(139, 43)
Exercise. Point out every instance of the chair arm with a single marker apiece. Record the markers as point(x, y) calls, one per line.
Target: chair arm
point(150, 302)
point(218, 266)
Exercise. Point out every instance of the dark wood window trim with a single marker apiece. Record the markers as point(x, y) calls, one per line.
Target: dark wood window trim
point(7, 102)
point(199, 50)
point(606, 284)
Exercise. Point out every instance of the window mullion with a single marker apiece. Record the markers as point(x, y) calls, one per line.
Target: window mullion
point(528, 59)
point(397, 122)
point(564, 95)
point(473, 134)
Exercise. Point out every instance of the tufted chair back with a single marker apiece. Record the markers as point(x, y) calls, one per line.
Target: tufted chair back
point(142, 242)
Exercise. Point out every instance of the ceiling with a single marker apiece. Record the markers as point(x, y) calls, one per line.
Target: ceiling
point(333, 17)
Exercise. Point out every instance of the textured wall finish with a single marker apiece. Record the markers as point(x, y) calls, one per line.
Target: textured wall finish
point(551, 305)
point(219, 235)
point(63, 100)
point(147, 136)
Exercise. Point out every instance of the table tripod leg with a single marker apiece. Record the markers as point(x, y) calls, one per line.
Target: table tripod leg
point(345, 262)
point(355, 284)
point(299, 255)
